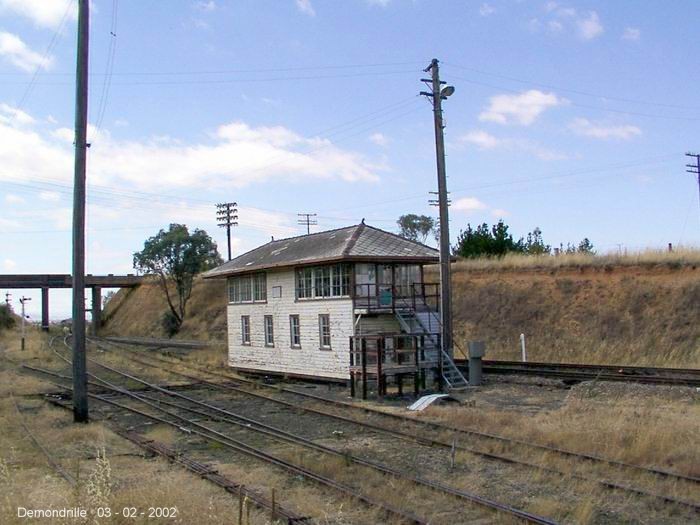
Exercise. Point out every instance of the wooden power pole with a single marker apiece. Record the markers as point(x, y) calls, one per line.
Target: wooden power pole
point(438, 94)
point(694, 168)
point(227, 216)
point(80, 398)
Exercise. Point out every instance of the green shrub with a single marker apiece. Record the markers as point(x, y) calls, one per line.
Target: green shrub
point(7, 317)
point(171, 324)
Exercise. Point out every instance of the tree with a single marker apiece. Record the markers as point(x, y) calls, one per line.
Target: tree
point(534, 245)
point(484, 241)
point(176, 256)
point(415, 227)
point(586, 246)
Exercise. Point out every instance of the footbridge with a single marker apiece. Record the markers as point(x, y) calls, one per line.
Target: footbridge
point(46, 281)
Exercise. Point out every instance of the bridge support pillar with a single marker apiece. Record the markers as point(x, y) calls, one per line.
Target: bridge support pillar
point(96, 309)
point(45, 309)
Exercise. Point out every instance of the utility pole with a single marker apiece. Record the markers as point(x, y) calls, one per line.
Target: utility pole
point(8, 295)
point(227, 216)
point(80, 398)
point(694, 168)
point(438, 94)
point(308, 220)
point(24, 317)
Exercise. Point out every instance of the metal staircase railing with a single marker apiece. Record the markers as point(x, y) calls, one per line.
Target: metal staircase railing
point(411, 323)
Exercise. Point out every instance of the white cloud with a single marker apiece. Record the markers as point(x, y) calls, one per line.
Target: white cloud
point(480, 139)
point(560, 19)
point(586, 128)
point(379, 139)
point(468, 205)
point(555, 26)
point(305, 7)
point(631, 33)
point(234, 155)
point(11, 115)
point(44, 13)
point(206, 6)
point(485, 141)
point(14, 199)
point(49, 196)
point(380, 3)
point(15, 51)
point(590, 26)
point(498, 213)
point(486, 9)
point(9, 265)
point(523, 108)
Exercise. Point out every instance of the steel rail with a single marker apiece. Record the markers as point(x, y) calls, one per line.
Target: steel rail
point(619, 369)
point(252, 424)
point(435, 442)
point(430, 424)
point(218, 437)
point(49, 458)
point(569, 372)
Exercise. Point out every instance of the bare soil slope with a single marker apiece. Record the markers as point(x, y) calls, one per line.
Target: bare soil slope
point(617, 314)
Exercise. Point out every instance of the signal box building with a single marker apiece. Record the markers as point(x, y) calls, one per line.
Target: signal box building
point(350, 302)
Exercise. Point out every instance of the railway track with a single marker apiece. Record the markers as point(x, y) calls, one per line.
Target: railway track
point(433, 441)
point(584, 372)
point(213, 413)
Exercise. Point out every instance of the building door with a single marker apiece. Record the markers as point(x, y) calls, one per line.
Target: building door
point(385, 284)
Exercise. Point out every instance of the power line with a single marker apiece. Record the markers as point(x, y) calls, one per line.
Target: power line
point(569, 90)
point(44, 57)
point(585, 106)
point(109, 67)
point(245, 71)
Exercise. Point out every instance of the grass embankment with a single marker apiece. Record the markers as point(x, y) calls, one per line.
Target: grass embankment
point(110, 470)
point(636, 309)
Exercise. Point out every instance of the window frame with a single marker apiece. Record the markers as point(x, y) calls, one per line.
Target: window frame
point(247, 289)
point(292, 319)
point(321, 334)
point(269, 330)
point(245, 330)
point(328, 281)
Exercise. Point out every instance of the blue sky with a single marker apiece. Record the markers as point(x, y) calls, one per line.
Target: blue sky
point(570, 116)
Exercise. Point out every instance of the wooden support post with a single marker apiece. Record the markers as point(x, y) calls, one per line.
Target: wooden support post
point(399, 383)
point(364, 368)
point(96, 309)
point(352, 384)
point(45, 309)
point(380, 374)
point(240, 504)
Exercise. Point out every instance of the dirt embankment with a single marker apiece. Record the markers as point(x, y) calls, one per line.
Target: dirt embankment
point(139, 312)
point(618, 315)
point(643, 315)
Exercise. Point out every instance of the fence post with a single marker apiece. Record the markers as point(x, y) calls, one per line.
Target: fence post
point(523, 353)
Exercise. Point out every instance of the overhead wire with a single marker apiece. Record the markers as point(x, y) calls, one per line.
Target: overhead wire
point(44, 57)
point(569, 90)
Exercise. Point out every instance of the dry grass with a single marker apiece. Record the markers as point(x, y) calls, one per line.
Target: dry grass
point(650, 426)
point(107, 467)
point(620, 315)
point(646, 258)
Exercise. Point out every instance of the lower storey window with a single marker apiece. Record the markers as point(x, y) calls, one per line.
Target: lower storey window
point(294, 331)
point(245, 329)
point(269, 331)
point(324, 330)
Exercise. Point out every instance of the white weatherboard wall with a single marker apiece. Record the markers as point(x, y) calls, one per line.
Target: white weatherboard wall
point(310, 359)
